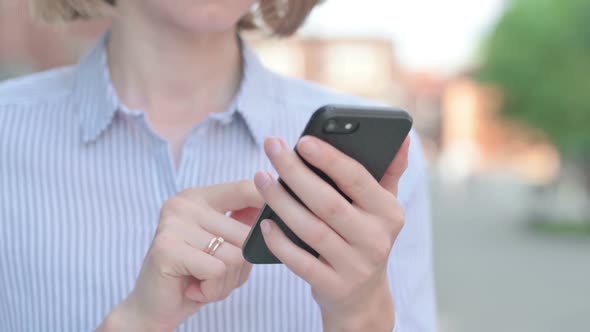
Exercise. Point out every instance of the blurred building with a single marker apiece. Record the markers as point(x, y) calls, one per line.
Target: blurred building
point(456, 117)
point(366, 67)
point(362, 66)
point(465, 134)
point(424, 94)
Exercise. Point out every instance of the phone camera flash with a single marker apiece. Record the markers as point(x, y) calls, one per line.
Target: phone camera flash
point(348, 126)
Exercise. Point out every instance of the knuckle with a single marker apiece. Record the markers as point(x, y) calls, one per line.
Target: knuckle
point(165, 225)
point(405, 164)
point(173, 205)
point(247, 190)
point(334, 210)
point(246, 187)
point(401, 220)
point(363, 272)
point(382, 249)
point(199, 216)
point(235, 257)
point(191, 193)
point(320, 233)
point(242, 282)
point(346, 289)
point(357, 183)
point(397, 218)
point(193, 196)
point(188, 192)
point(330, 211)
point(219, 269)
point(395, 215)
point(382, 252)
point(244, 277)
point(380, 246)
point(162, 247)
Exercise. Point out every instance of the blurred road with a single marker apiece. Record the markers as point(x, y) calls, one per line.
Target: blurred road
point(495, 274)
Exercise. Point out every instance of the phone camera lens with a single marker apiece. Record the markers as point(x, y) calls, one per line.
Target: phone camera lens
point(331, 126)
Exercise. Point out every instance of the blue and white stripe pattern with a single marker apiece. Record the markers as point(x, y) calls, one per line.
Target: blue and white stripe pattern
point(82, 179)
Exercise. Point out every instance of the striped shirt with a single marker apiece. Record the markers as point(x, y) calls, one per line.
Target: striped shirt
point(82, 180)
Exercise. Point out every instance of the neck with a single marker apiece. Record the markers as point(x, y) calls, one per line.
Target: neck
point(176, 78)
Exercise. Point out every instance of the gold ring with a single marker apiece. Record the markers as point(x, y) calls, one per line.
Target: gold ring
point(214, 244)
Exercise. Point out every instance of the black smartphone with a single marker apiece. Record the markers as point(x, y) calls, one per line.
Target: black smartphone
point(372, 136)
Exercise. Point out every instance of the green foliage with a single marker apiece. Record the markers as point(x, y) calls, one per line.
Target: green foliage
point(564, 227)
point(539, 54)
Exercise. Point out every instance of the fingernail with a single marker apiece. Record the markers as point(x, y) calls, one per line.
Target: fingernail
point(262, 180)
point(308, 146)
point(273, 147)
point(265, 227)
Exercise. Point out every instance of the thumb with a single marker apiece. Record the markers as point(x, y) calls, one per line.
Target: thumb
point(396, 169)
point(194, 293)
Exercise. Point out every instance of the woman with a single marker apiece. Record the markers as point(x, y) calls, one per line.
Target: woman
point(117, 176)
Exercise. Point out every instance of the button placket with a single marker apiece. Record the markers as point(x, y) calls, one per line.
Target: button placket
point(189, 151)
point(163, 159)
point(197, 141)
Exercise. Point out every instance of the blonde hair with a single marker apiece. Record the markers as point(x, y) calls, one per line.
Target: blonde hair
point(279, 17)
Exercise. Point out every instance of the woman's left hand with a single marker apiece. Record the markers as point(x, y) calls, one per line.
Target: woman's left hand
point(349, 281)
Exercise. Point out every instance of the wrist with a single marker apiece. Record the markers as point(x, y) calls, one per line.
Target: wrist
point(126, 317)
point(362, 322)
point(376, 314)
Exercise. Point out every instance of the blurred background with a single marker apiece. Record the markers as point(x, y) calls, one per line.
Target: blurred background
point(500, 93)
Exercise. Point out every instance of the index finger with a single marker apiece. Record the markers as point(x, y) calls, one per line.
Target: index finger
point(348, 174)
point(396, 169)
point(229, 196)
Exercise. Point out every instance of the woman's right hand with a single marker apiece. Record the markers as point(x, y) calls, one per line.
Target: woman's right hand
point(178, 277)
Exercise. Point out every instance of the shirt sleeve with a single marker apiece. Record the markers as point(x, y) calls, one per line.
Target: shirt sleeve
point(410, 265)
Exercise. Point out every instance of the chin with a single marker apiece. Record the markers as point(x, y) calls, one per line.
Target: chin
point(208, 24)
point(205, 16)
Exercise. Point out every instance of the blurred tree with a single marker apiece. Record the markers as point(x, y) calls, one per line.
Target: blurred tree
point(539, 55)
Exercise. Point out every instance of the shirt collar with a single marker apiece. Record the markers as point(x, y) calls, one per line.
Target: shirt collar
point(256, 100)
point(98, 101)
point(91, 92)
